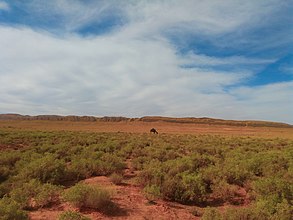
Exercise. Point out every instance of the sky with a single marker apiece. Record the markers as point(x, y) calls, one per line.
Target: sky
point(229, 59)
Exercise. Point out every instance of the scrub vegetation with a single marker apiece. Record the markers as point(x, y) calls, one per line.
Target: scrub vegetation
point(253, 175)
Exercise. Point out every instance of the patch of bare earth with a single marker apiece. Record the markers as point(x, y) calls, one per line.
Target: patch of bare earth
point(11, 146)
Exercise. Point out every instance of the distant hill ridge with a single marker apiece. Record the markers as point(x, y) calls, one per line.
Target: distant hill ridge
point(191, 120)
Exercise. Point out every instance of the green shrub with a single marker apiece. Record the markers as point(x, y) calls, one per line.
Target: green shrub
point(11, 210)
point(152, 192)
point(184, 188)
point(152, 174)
point(116, 178)
point(259, 212)
point(85, 196)
point(34, 194)
point(138, 162)
point(212, 214)
point(90, 163)
point(47, 169)
point(224, 191)
point(235, 170)
point(110, 163)
point(284, 211)
point(72, 215)
point(82, 168)
point(194, 188)
point(7, 164)
point(77, 195)
point(249, 213)
point(172, 189)
point(273, 196)
point(9, 158)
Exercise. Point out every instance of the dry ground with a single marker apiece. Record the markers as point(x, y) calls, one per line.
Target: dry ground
point(144, 127)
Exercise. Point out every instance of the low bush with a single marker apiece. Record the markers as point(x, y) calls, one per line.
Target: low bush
point(212, 214)
point(284, 211)
point(11, 210)
point(187, 188)
point(72, 215)
point(85, 196)
point(82, 168)
point(194, 188)
point(34, 194)
point(223, 191)
point(272, 187)
point(152, 192)
point(77, 195)
point(110, 163)
point(235, 170)
point(253, 212)
point(47, 169)
point(249, 213)
point(116, 178)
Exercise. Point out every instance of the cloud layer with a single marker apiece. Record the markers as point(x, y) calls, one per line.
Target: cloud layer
point(135, 68)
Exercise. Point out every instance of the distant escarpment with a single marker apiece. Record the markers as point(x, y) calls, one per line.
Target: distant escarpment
point(62, 118)
point(190, 120)
point(213, 121)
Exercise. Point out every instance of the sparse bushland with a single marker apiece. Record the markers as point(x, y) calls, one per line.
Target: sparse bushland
point(199, 170)
point(212, 170)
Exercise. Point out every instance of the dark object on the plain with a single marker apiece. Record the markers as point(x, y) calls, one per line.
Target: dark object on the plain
point(154, 131)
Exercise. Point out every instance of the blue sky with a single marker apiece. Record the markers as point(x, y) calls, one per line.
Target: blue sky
point(225, 59)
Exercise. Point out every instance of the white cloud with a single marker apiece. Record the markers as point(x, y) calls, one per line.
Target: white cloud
point(204, 60)
point(104, 71)
point(264, 102)
point(109, 75)
point(152, 17)
point(135, 70)
point(209, 17)
point(4, 6)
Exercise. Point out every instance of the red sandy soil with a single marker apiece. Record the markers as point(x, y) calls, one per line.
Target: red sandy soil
point(144, 127)
point(131, 203)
